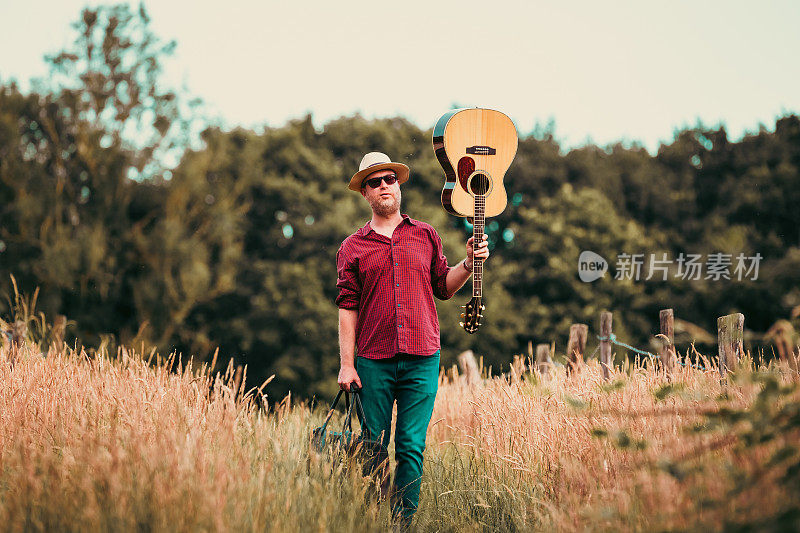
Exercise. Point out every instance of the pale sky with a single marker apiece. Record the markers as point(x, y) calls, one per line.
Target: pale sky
point(604, 71)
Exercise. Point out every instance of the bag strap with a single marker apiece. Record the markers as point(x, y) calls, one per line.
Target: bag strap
point(360, 414)
point(348, 421)
point(330, 413)
point(356, 392)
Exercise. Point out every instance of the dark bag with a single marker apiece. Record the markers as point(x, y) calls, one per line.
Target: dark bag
point(361, 446)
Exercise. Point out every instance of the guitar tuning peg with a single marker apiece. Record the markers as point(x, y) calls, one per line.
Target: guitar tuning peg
point(461, 324)
point(483, 307)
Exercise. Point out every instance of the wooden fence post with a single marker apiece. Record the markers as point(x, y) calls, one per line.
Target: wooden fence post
point(576, 346)
point(519, 366)
point(543, 361)
point(59, 326)
point(605, 345)
point(782, 333)
point(667, 355)
point(531, 356)
point(730, 336)
point(469, 367)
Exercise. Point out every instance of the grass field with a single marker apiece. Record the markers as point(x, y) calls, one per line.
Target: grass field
point(92, 443)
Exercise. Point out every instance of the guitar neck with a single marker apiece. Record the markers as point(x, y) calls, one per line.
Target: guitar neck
point(477, 237)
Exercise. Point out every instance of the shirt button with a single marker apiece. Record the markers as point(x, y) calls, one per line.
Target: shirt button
point(398, 284)
point(398, 305)
point(400, 326)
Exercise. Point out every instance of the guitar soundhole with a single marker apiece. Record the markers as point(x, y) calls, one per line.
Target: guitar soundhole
point(479, 184)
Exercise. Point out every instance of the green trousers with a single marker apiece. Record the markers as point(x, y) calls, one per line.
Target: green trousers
point(411, 381)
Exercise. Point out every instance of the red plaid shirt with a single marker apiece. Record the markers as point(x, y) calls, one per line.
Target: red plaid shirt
point(392, 282)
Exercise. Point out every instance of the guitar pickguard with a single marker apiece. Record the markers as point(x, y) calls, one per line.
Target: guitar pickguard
point(466, 166)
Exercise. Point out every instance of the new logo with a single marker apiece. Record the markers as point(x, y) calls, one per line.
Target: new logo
point(591, 266)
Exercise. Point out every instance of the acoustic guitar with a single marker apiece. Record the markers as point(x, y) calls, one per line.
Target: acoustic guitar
point(475, 148)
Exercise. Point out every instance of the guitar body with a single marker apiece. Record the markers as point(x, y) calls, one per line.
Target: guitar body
point(475, 148)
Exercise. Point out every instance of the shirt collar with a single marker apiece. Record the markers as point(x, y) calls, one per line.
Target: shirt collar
point(410, 220)
point(364, 231)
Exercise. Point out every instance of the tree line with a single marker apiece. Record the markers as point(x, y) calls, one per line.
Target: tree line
point(234, 246)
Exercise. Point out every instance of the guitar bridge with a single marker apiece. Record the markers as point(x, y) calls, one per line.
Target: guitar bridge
point(481, 150)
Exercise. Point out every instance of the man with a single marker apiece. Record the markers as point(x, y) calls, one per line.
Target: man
point(388, 273)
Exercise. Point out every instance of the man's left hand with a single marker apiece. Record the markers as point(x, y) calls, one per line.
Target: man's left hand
point(481, 252)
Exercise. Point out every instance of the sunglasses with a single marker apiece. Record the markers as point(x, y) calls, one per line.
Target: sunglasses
point(376, 182)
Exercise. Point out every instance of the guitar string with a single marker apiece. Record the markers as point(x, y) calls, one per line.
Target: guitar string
point(478, 229)
point(478, 232)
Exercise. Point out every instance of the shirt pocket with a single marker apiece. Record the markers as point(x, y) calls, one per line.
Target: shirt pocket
point(375, 268)
point(418, 252)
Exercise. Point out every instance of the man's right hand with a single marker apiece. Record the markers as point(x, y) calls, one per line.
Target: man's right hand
point(348, 375)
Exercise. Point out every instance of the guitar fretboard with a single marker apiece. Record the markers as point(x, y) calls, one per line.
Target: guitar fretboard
point(477, 233)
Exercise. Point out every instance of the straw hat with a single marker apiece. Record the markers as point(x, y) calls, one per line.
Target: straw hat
point(373, 162)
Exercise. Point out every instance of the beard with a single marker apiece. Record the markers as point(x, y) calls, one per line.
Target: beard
point(385, 207)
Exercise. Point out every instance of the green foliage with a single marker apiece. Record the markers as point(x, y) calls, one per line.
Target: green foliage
point(771, 422)
point(110, 76)
point(667, 390)
point(620, 439)
point(615, 385)
point(61, 197)
point(575, 403)
point(599, 432)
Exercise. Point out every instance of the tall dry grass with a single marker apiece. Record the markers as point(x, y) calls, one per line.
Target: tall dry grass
point(577, 453)
point(100, 444)
point(117, 444)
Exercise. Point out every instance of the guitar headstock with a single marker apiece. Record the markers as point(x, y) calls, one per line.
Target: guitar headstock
point(471, 317)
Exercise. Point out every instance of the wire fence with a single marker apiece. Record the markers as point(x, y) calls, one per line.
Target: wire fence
point(613, 339)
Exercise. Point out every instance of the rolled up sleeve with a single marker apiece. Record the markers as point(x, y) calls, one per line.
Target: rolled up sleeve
point(347, 281)
point(439, 269)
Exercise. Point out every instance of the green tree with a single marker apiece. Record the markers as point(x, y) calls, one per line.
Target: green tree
point(111, 75)
point(61, 223)
point(123, 258)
